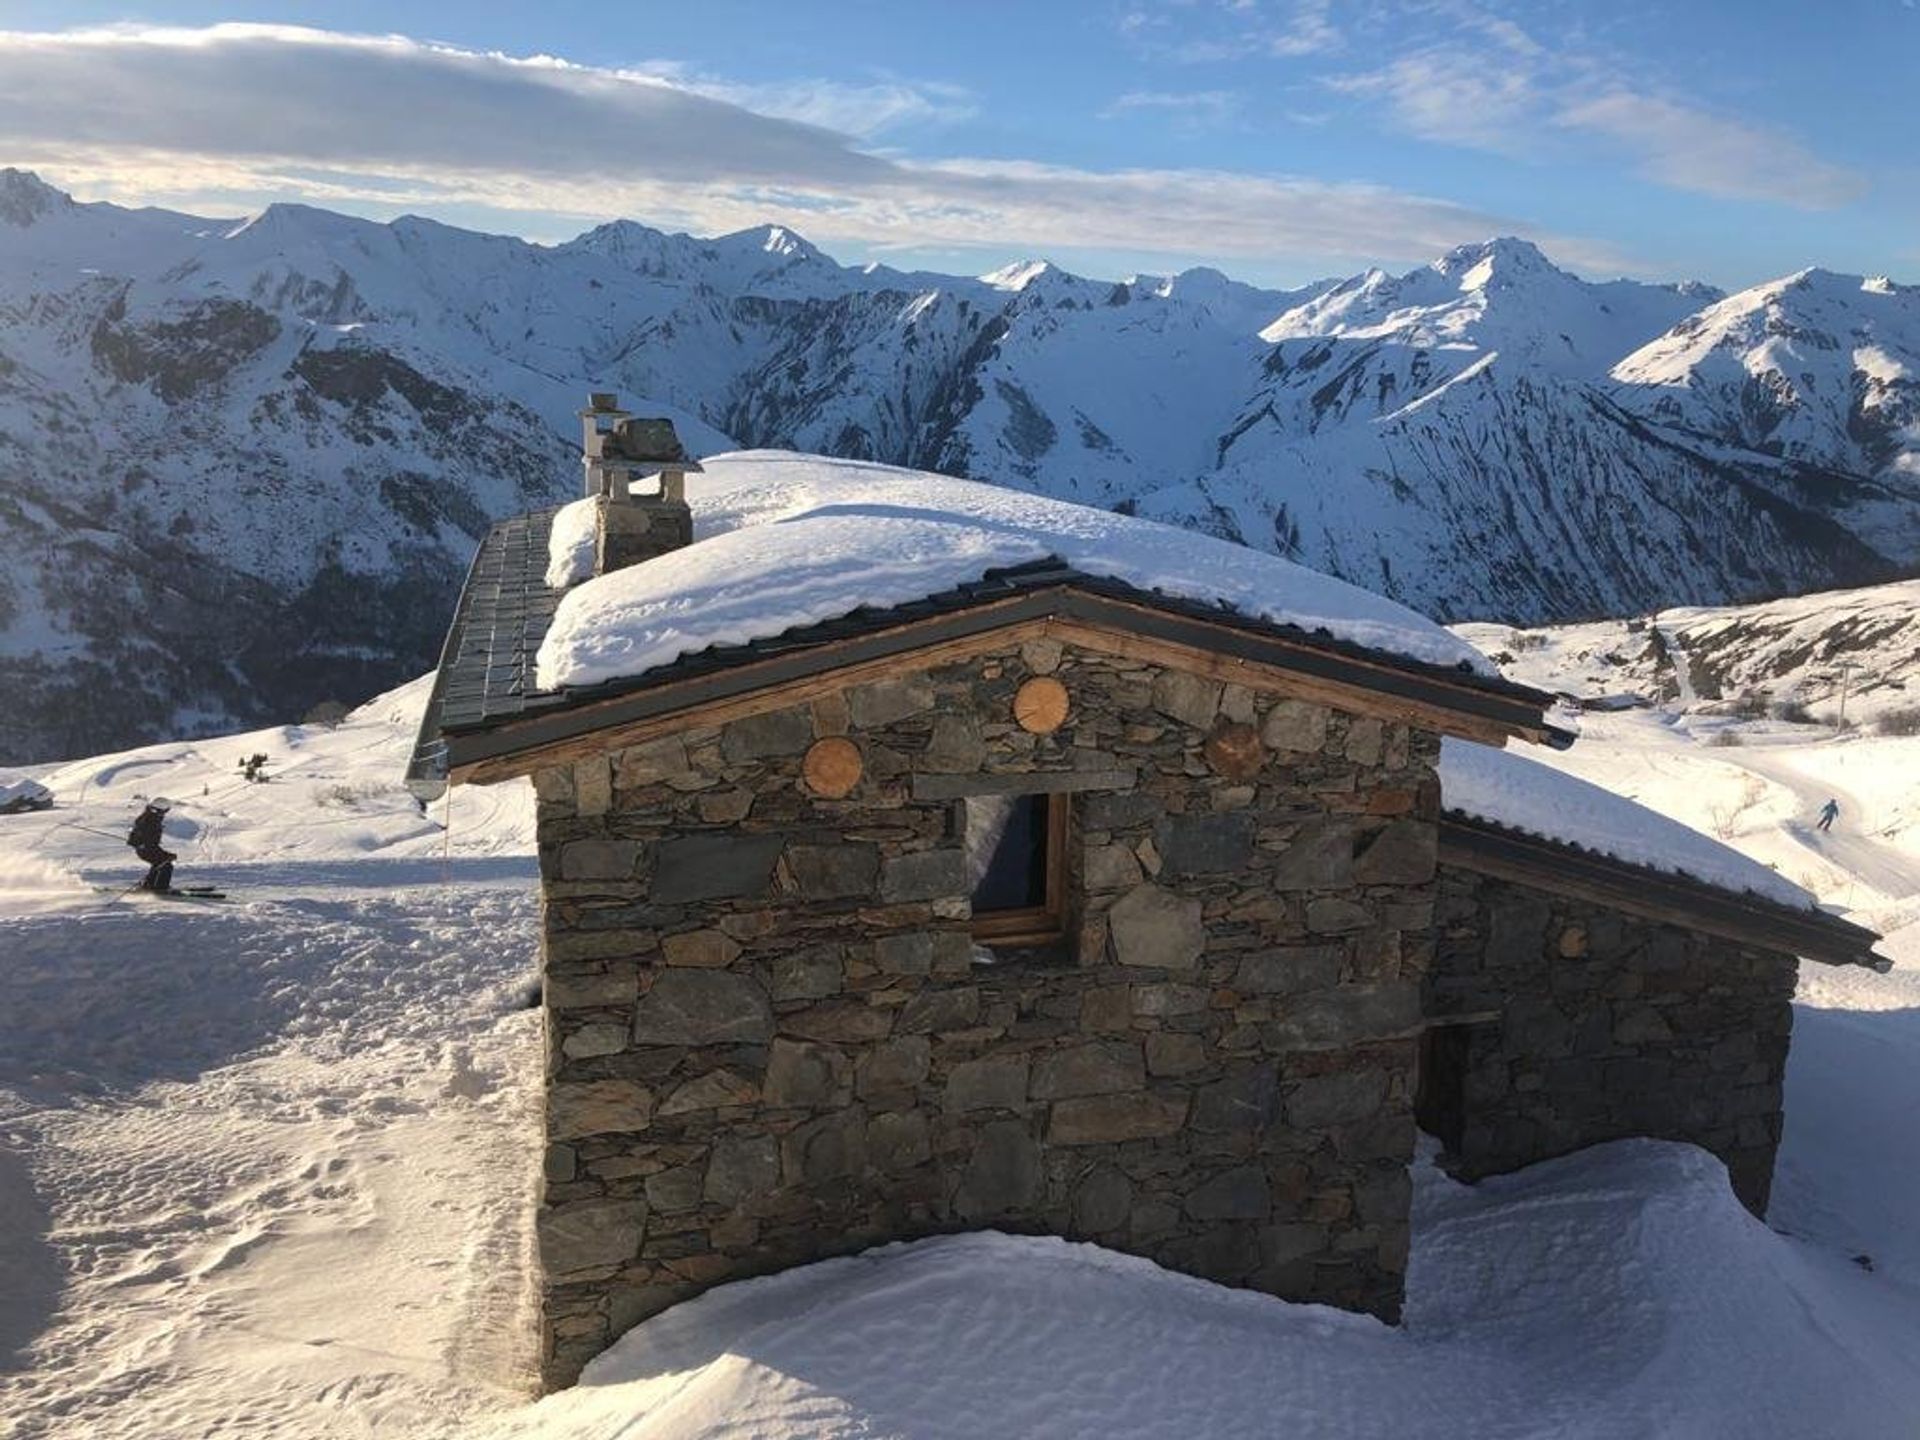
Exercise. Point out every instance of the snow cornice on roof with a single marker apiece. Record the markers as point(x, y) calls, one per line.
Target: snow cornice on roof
point(489, 719)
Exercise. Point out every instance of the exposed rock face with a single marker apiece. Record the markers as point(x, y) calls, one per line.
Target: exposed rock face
point(813, 1061)
point(1609, 1026)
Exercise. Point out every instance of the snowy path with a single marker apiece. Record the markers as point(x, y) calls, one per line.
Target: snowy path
point(1846, 846)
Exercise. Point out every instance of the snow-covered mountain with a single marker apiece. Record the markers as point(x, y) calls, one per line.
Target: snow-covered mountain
point(243, 463)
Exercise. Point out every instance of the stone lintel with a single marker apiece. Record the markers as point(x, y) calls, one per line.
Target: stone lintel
point(1055, 782)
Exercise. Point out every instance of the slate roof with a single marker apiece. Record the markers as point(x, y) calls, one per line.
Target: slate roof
point(1475, 843)
point(487, 675)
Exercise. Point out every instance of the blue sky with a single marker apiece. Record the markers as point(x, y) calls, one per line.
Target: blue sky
point(1279, 141)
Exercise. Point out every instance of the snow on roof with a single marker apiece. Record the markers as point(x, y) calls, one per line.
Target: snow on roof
point(570, 544)
point(784, 540)
point(1521, 794)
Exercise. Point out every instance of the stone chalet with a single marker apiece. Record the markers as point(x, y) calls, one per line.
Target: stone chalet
point(1059, 901)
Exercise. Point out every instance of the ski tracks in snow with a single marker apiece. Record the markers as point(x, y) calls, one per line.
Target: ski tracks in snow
point(282, 1153)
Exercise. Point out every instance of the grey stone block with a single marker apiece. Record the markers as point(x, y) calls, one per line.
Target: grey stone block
point(608, 989)
point(1002, 1174)
point(1205, 844)
point(939, 1010)
point(758, 737)
point(1288, 970)
point(1319, 857)
point(675, 1191)
point(801, 1075)
point(702, 1007)
point(1242, 1103)
point(1295, 725)
point(589, 1234)
point(1154, 927)
point(886, 701)
point(1171, 1053)
point(1126, 810)
point(1102, 1067)
point(1406, 852)
point(1110, 1119)
point(833, 872)
point(898, 1141)
point(598, 1107)
point(1186, 698)
point(991, 1082)
point(829, 1149)
point(927, 875)
point(1336, 1099)
point(714, 867)
point(600, 859)
point(741, 1168)
point(810, 974)
point(1242, 1193)
point(955, 746)
point(712, 1091)
point(897, 1064)
point(1102, 1201)
point(1331, 915)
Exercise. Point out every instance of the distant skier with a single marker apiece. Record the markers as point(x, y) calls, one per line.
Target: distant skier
point(145, 838)
point(1829, 813)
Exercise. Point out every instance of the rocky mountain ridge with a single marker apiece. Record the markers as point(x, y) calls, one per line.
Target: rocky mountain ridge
point(243, 463)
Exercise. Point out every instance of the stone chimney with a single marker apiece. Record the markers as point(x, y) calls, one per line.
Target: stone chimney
point(636, 473)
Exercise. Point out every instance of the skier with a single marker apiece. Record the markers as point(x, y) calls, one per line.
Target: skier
point(145, 840)
point(1829, 812)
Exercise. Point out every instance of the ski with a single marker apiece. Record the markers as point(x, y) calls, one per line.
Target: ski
point(185, 894)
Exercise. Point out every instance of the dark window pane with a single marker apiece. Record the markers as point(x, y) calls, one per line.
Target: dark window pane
point(1015, 874)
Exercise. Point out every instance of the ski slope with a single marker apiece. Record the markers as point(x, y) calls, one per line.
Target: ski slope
point(267, 1168)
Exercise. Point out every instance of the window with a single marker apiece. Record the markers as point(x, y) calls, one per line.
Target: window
point(1016, 861)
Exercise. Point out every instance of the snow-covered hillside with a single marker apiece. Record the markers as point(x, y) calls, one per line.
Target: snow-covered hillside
point(267, 1167)
point(1794, 658)
point(246, 461)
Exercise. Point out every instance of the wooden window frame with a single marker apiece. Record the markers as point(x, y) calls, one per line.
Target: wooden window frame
point(1035, 924)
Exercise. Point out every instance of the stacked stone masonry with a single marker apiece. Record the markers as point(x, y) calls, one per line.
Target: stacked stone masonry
point(771, 1039)
point(1609, 1026)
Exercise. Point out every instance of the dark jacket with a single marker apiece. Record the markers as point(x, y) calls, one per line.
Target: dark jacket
point(146, 828)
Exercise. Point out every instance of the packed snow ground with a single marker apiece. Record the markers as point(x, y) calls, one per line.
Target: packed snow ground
point(267, 1168)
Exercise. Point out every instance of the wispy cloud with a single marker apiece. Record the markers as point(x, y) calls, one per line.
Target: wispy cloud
point(1491, 85)
point(1195, 33)
point(1188, 110)
point(1691, 149)
point(238, 110)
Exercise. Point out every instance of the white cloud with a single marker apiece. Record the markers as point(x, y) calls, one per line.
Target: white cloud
point(248, 110)
point(1233, 29)
point(1451, 95)
point(1490, 85)
point(1191, 109)
point(1690, 149)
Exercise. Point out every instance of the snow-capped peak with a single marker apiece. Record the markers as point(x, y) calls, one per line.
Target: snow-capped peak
point(1504, 257)
point(25, 198)
point(1018, 275)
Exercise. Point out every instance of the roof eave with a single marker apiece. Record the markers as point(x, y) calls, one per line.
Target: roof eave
point(1073, 608)
point(1488, 848)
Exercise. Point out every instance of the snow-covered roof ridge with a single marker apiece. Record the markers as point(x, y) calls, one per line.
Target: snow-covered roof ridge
point(783, 541)
point(1509, 790)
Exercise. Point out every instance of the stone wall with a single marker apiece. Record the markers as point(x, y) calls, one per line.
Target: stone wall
point(1609, 1026)
point(771, 1039)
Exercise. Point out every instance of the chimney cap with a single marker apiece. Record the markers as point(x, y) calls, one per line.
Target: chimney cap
point(649, 442)
point(602, 402)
